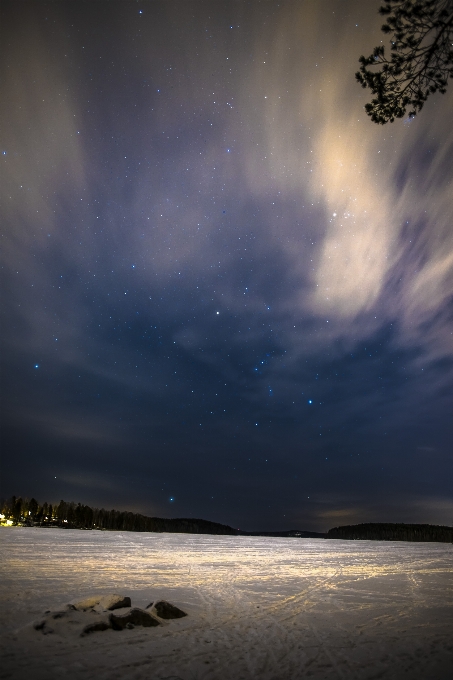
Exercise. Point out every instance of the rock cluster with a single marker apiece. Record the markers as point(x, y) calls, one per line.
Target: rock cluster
point(106, 612)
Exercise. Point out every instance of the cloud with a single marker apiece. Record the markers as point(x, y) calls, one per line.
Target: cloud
point(308, 174)
point(342, 514)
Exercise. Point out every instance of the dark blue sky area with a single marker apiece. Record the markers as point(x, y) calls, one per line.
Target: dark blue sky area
point(226, 292)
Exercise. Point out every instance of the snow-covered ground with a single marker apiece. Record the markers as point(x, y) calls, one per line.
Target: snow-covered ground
point(264, 608)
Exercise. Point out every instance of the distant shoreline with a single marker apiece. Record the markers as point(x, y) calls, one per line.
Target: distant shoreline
point(28, 512)
point(403, 533)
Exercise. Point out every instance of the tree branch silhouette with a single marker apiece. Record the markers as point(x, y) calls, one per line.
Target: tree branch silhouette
point(420, 60)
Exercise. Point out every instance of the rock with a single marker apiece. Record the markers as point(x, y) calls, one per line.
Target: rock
point(89, 603)
point(135, 616)
point(93, 627)
point(60, 614)
point(43, 627)
point(39, 625)
point(109, 602)
point(165, 610)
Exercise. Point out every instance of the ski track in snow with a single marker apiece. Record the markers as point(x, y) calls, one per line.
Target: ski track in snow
point(259, 608)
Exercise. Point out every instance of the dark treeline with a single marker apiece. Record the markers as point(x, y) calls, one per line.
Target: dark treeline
point(28, 512)
point(393, 532)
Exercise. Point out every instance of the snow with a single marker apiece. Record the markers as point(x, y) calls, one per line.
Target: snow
point(264, 608)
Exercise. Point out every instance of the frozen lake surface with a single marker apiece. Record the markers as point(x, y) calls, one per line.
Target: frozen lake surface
point(264, 608)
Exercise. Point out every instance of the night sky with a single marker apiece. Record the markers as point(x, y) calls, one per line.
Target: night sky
point(226, 293)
